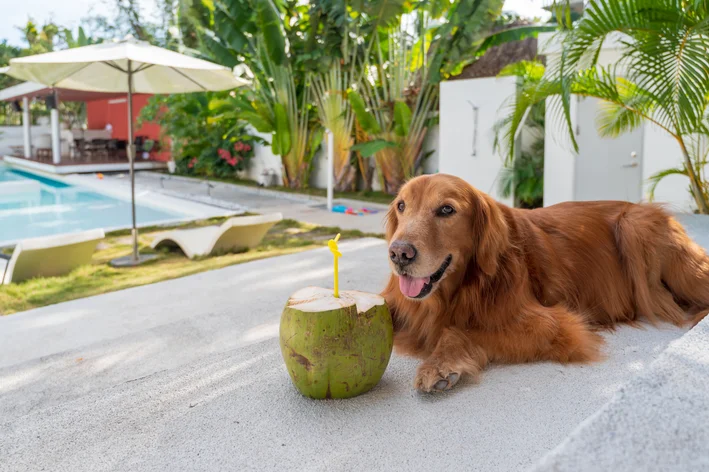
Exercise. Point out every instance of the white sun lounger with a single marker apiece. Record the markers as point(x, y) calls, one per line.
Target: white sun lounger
point(49, 256)
point(234, 234)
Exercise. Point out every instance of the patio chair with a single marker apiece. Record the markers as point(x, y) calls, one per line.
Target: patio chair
point(238, 233)
point(49, 256)
point(98, 149)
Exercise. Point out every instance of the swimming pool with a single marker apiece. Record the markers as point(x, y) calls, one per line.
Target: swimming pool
point(33, 205)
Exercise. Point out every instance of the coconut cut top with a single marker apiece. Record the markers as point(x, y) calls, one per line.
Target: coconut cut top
point(318, 299)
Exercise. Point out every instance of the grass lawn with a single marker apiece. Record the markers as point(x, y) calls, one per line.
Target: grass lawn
point(286, 237)
point(370, 196)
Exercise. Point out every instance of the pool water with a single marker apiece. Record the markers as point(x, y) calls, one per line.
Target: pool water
point(32, 205)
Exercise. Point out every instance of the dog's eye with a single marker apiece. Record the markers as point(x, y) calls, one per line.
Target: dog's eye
point(445, 210)
point(401, 206)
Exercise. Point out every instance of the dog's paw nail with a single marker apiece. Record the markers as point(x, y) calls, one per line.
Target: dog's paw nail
point(453, 378)
point(441, 385)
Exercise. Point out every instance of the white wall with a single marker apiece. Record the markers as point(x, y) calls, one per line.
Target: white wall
point(457, 130)
point(432, 143)
point(12, 136)
point(559, 161)
point(662, 152)
point(659, 150)
point(263, 159)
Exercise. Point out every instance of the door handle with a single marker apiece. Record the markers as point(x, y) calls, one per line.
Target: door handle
point(634, 161)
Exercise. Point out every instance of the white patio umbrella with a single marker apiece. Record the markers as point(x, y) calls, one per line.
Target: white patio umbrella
point(128, 66)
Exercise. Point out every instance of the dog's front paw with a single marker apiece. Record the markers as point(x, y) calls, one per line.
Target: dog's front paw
point(434, 377)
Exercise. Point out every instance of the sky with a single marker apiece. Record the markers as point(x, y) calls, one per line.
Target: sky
point(69, 12)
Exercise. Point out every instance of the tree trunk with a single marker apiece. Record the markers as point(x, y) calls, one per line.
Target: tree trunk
point(699, 197)
point(344, 182)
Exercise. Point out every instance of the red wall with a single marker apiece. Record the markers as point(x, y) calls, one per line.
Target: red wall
point(99, 113)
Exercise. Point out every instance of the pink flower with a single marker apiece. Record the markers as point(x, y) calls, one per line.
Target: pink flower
point(247, 148)
point(224, 154)
point(232, 161)
point(192, 162)
point(238, 146)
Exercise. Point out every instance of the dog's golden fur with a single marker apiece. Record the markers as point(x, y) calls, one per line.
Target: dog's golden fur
point(532, 285)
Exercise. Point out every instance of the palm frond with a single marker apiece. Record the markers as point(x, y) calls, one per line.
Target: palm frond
point(655, 179)
point(664, 45)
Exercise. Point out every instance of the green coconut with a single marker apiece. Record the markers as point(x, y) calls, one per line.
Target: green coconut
point(335, 347)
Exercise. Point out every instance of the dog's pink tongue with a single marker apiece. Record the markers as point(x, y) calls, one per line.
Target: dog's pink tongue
point(412, 286)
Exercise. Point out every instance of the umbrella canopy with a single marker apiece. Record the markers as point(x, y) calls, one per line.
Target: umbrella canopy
point(103, 67)
point(127, 66)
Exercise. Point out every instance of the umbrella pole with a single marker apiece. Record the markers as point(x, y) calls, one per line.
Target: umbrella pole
point(131, 158)
point(135, 258)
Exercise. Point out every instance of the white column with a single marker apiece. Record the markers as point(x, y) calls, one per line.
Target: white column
point(56, 143)
point(330, 167)
point(27, 126)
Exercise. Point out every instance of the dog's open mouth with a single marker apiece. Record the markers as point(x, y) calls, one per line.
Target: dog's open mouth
point(419, 287)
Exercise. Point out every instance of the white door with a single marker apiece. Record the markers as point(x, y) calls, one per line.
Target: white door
point(606, 169)
point(468, 112)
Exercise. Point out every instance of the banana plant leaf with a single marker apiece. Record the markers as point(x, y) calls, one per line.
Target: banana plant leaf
point(269, 22)
point(281, 135)
point(366, 120)
point(402, 118)
point(370, 148)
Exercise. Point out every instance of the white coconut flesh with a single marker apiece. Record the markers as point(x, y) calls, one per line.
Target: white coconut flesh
point(318, 299)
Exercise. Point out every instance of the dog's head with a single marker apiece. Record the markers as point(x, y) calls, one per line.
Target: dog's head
point(436, 227)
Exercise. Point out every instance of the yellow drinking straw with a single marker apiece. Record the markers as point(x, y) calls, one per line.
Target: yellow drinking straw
point(332, 244)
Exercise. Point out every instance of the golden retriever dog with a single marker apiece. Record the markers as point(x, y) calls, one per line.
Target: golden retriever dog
point(474, 281)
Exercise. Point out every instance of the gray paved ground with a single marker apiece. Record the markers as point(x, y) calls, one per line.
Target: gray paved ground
point(238, 411)
point(298, 207)
point(55, 354)
point(187, 375)
point(658, 422)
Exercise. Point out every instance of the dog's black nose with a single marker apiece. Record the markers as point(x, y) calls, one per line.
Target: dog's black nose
point(401, 253)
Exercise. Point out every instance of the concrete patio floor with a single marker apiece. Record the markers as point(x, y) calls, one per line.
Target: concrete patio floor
point(187, 375)
point(659, 421)
point(305, 208)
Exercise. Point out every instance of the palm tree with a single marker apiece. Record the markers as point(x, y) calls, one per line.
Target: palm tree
point(662, 77)
point(80, 40)
point(39, 40)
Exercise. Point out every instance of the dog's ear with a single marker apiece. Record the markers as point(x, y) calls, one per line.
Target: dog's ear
point(391, 221)
point(491, 231)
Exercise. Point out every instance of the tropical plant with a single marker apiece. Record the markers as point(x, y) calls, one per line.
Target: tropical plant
point(385, 51)
point(289, 120)
point(39, 40)
point(7, 52)
point(699, 150)
point(201, 142)
point(330, 92)
point(524, 179)
point(662, 78)
point(81, 39)
point(395, 104)
point(523, 176)
point(259, 35)
point(395, 112)
point(359, 28)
